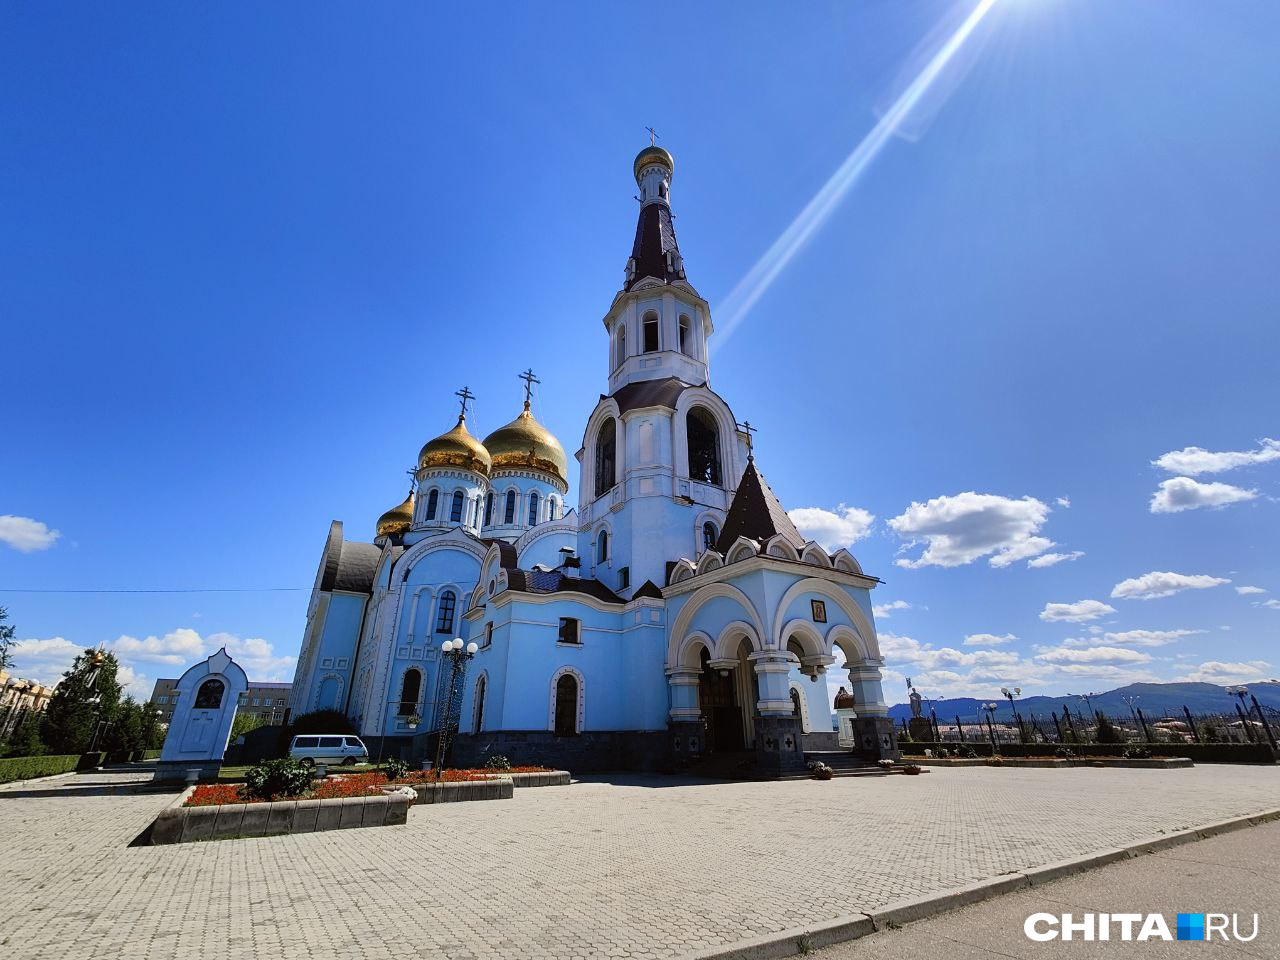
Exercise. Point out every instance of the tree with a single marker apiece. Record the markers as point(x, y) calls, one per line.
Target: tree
point(88, 695)
point(7, 631)
point(243, 723)
point(1106, 731)
point(25, 740)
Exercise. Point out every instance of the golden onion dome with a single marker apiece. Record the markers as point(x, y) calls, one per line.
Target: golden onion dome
point(457, 448)
point(653, 154)
point(398, 519)
point(524, 442)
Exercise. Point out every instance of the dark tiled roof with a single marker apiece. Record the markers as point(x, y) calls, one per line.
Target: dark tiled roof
point(655, 238)
point(350, 566)
point(649, 393)
point(506, 552)
point(756, 514)
point(554, 581)
point(648, 589)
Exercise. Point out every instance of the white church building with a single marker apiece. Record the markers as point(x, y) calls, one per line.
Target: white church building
point(676, 612)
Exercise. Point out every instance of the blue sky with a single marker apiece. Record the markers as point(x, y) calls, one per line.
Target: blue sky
point(249, 253)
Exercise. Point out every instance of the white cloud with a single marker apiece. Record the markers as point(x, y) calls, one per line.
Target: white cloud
point(1077, 612)
point(26, 535)
point(987, 639)
point(883, 610)
point(181, 647)
point(1064, 502)
point(1272, 604)
point(960, 529)
point(1183, 493)
point(1148, 638)
point(1197, 460)
point(43, 660)
point(1049, 559)
point(256, 656)
point(1093, 655)
point(844, 526)
point(135, 684)
point(1220, 672)
point(1245, 591)
point(1155, 584)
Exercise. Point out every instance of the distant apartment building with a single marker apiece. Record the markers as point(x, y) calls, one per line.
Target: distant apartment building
point(20, 699)
point(266, 700)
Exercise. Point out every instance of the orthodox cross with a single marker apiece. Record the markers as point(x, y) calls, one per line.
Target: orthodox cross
point(653, 136)
point(529, 380)
point(748, 429)
point(465, 396)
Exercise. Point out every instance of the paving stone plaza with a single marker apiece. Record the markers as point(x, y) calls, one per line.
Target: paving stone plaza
point(625, 867)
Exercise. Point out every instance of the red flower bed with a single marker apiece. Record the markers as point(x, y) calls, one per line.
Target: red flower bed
point(213, 794)
point(356, 785)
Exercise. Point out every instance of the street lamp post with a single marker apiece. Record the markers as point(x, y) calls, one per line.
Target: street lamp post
point(990, 708)
point(458, 658)
point(1009, 695)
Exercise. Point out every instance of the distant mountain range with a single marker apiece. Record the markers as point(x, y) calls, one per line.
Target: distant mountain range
point(1154, 699)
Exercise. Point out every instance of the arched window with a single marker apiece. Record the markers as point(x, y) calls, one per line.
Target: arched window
point(410, 687)
point(481, 684)
point(606, 457)
point(795, 702)
point(551, 508)
point(509, 512)
point(533, 509)
point(704, 446)
point(209, 696)
point(566, 709)
point(444, 613)
point(685, 344)
point(433, 502)
point(709, 535)
point(622, 343)
point(651, 334)
point(455, 511)
point(602, 547)
point(488, 509)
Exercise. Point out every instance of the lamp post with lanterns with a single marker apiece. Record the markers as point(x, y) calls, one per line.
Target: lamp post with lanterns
point(1010, 694)
point(458, 657)
point(990, 708)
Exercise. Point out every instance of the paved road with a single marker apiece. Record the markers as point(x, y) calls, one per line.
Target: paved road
point(640, 867)
point(1233, 873)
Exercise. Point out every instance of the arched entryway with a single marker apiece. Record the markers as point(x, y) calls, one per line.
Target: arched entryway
point(727, 697)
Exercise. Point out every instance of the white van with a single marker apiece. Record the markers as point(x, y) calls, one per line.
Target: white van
point(345, 750)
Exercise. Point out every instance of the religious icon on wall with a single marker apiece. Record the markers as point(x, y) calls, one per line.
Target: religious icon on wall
point(819, 608)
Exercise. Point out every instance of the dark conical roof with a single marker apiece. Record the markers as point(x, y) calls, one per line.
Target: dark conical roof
point(756, 514)
point(655, 238)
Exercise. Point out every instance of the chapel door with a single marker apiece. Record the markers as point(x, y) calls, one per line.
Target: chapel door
point(720, 710)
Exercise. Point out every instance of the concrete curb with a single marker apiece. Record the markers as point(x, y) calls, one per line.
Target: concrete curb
point(800, 940)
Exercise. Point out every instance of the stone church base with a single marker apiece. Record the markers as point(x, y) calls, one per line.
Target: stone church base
point(877, 738)
point(593, 751)
point(779, 745)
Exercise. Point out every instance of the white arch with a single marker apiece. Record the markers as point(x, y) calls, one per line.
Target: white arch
point(714, 517)
point(607, 408)
point(779, 546)
point(805, 725)
point(846, 561)
point(683, 570)
point(701, 597)
point(850, 643)
point(688, 657)
point(862, 624)
point(726, 428)
point(581, 713)
point(815, 555)
point(730, 639)
point(742, 549)
point(806, 634)
point(711, 560)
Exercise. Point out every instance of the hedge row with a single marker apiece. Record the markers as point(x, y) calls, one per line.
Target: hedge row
point(28, 768)
point(1197, 752)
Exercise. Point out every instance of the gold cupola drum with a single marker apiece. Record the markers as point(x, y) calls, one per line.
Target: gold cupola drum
point(457, 448)
point(524, 443)
point(398, 519)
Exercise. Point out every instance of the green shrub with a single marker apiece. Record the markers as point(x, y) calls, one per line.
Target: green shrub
point(498, 762)
point(967, 752)
point(277, 778)
point(1064, 753)
point(943, 753)
point(28, 768)
point(1137, 753)
point(394, 768)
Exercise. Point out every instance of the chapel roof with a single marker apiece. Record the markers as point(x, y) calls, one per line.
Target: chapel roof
point(655, 238)
point(554, 581)
point(648, 393)
point(756, 514)
point(348, 565)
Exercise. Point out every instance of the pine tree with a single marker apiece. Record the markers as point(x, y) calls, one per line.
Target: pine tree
point(7, 632)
